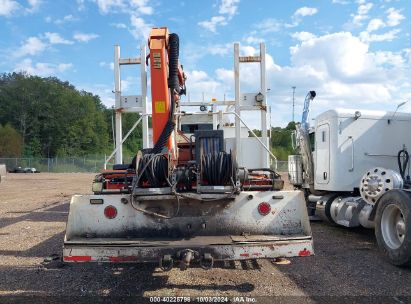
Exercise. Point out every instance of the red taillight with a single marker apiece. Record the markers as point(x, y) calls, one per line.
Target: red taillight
point(110, 212)
point(264, 208)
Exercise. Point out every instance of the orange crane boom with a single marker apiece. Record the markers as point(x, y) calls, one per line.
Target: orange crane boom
point(167, 82)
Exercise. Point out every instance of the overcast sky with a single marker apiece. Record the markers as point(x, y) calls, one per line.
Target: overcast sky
point(355, 54)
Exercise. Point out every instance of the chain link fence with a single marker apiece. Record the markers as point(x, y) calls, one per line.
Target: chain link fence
point(76, 164)
point(282, 166)
point(57, 164)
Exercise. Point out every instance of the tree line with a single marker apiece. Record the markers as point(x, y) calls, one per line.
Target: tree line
point(47, 117)
point(280, 143)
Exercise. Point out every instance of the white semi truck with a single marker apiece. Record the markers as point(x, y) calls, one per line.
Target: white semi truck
point(354, 167)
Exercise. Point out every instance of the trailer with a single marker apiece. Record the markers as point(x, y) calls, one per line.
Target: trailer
point(354, 168)
point(200, 191)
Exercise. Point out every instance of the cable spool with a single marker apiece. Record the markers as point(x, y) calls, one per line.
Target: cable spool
point(153, 170)
point(377, 181)
point(218, 169)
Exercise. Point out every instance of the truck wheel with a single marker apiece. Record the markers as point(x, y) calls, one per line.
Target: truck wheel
point(393, 226)
point(323, 208)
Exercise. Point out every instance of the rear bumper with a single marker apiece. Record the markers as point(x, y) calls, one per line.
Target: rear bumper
point(207, 229)
point(221, 248)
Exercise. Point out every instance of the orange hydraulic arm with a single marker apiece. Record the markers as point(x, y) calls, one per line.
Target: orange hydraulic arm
point(167, 84)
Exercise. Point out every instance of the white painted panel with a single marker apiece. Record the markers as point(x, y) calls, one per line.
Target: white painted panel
point(358, 144)
point(250, 152)
point(131, 101)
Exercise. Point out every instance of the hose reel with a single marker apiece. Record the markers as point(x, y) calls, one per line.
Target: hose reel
point(219, 169)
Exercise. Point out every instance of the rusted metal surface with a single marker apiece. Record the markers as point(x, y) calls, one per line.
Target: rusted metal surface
point(262, 238)
point(195, 241)
point(126, 61)
point(189, 218)
point(187, 196)
point(228, 251)
point(250, 58)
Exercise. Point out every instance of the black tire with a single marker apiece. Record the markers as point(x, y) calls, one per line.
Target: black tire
point(398, 253)
point(310, 206)
point(325, 214)
point(328, 209)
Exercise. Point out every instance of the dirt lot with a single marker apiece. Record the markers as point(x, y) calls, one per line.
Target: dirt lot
point(33, 211)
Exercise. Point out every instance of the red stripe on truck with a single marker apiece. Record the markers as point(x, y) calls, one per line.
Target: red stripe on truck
point(77, 258)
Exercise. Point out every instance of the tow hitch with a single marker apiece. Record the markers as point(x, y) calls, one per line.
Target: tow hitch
point(166, 263)
point(207, 261)
point(185, 257)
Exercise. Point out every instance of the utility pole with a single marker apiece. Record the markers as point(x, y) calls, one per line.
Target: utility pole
point(293, 87)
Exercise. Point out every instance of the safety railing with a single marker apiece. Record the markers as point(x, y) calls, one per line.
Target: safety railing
point(124, 139)
point(261, 143)
point(273, 157)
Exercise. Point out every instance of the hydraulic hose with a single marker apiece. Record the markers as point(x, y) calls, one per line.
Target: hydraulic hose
point(402, 165)
point(153, 169)
point(173, 53)
point(164, 136)
point(218, 169)
point(173, 84)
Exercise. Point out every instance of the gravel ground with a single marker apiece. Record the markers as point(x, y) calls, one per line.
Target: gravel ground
point(33, 211)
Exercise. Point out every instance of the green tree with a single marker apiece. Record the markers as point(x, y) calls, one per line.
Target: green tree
point(135, 141)
point(52, 116)
point(281, 145)
point(10, 142)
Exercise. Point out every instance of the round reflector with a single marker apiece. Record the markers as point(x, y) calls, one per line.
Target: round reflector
point(110, 212)
point(264, 208)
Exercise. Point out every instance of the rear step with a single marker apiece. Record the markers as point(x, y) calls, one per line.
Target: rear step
point(193, 241)
point(202, 249)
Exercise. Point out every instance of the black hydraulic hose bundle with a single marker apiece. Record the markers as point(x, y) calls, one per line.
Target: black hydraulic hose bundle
point(218, 169)
point(402, 166)
point(153, 169)
point(174, 85)
point(164, 136)
point(173, 52)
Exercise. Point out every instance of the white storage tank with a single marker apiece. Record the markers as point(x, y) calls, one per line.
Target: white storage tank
point(295, 170)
